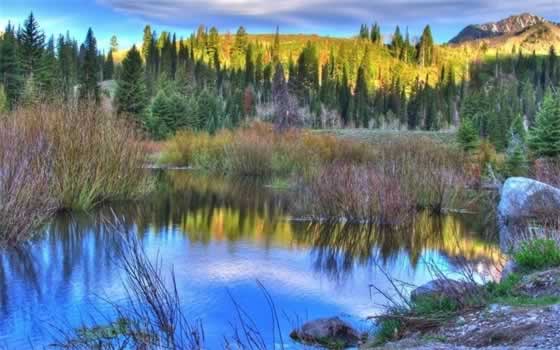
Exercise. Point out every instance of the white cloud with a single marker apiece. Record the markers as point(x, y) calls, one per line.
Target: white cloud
point(322, 12)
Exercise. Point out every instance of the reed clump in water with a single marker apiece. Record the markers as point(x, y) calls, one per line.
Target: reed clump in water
point(64, 156)
point(403, 175)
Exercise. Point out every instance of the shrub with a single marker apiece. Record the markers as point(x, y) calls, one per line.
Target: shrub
point(258, 149)
point(358, 194)
point(250, 154)
point(95, 156)
point(538, 254)
point(25, 176)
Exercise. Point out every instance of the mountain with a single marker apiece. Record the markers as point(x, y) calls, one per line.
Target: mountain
point(537, 38)
point(510, 25)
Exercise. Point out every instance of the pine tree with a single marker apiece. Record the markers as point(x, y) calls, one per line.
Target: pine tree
point(32, 41)
point(544, 137)
point(131, 94)
point(276, 47)
point(213, 42)
point(48, 76)
point(516, 163)
point(147, 43)
point(10, 73)
point(375, 35)
point(241, 42)
point(425, 53)
point(397, 43)
point(344, 97)
point(249, 66)
point(364, 32)
point(67, 65)
point(467, 135)
point(361, 97)
point(109, 67)
point(89, 71)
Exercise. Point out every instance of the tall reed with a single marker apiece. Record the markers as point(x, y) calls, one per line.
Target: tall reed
point(26, 173)
point(95, 156)
point(60, 156)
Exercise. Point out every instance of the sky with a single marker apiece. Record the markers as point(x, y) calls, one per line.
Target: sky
point(127, 18)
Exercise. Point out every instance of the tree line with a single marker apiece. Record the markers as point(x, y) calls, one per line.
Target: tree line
point(210, 81)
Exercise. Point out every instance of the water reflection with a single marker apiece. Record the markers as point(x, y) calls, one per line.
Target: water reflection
point(221, 234)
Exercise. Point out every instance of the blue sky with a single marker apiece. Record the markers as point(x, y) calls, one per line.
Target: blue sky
point(126, 18)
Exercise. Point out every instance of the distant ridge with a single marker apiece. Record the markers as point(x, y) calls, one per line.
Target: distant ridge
point(510, 25)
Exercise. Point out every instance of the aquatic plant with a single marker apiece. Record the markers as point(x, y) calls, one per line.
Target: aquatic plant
point(94, 155)
point(26, 173)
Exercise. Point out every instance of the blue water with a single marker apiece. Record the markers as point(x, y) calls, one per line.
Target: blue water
point(220, 237)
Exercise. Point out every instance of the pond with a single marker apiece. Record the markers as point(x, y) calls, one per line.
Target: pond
point(221, 236)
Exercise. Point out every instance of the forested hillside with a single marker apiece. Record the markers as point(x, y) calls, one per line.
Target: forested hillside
point(212, 80)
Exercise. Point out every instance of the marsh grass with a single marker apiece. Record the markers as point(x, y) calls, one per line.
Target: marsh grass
point(341, 178)
point(64, 157)
point(26, 174)
point(258, 150)
point(399, 178)
point(95, 156)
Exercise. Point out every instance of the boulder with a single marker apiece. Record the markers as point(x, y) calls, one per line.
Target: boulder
point(444, 288)
point(330, 332)
point(521, 200)
point(541, 284)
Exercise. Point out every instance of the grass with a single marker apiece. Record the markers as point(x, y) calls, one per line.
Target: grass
point(430, 312)
point(26, 175)
point(257, 150)
point(537, 254)
point(376, 136)
point(342, 177)
point(64, 157)
point(426, 312)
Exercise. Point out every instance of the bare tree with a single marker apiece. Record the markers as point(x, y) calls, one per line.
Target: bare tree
point(285, 105)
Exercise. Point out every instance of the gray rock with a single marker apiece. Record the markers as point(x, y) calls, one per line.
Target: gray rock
point(439, 288)
point(522, 199)
point(327, 331)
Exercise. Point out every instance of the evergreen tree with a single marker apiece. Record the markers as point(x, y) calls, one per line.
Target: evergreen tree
point(361, 96)
point(147, 43)
point(516, 163)
point(249, 66)
point(10, 74)
point(544, 137)
point(213, 42)
point(344, 97)
point(276, 47)
point(89, 71)
point(67, 65)
point(47, 76)
point(131, 95)
point(241, 42)
point(364, 32)
point(32, 41)
point(375, 35)
point(109, 67)
point(425, 55)
point(397, 43)
point(467, 135)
